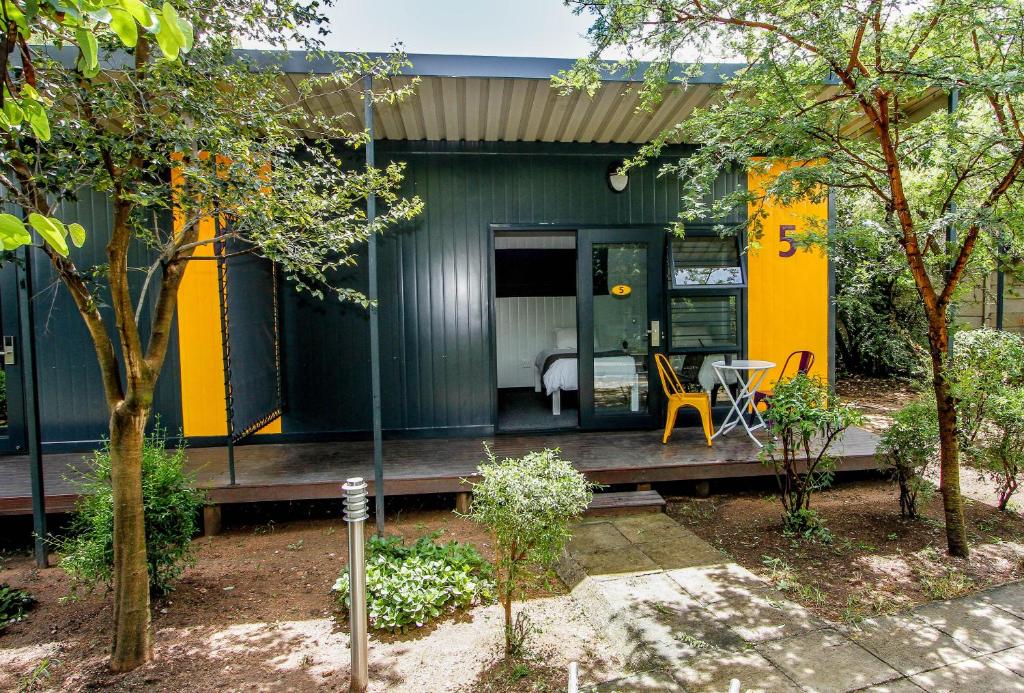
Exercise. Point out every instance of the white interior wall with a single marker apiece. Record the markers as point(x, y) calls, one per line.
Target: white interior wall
point(525, 325)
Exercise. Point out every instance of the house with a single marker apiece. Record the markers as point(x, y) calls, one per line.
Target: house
point(530, 296)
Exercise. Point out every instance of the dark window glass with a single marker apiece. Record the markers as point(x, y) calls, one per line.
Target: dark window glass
point(704, 321)
point(706, 261)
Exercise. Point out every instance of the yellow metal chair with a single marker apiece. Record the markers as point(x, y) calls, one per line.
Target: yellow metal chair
point(678, 397)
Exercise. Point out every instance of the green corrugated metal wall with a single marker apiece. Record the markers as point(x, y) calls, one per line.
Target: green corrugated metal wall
point(434, 281)
point(73, 411)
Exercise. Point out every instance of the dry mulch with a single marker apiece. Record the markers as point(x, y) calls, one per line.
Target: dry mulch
point(877, 398)
point(875, 562)
point(256, 613)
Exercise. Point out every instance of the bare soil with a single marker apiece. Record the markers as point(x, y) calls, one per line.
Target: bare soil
point(877, 398)
point(875, 562)
point(256, 613)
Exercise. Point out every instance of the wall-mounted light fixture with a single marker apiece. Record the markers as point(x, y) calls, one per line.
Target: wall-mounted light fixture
point(618, 182)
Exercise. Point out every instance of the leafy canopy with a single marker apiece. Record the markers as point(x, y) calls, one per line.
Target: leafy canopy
point(854, 91)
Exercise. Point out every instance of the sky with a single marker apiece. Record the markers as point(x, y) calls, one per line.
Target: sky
point(544, 28)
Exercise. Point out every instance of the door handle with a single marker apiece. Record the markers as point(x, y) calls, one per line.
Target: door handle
point(655, 333)
point(9, 359)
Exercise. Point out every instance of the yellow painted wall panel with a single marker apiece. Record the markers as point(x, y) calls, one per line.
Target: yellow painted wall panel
point(200, 345)
point(787, 300)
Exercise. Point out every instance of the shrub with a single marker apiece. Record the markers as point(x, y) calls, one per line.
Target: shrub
point(907, 448)
point(1000, 454)
point(14, 604)
point(984, 362)
point(171, 508)
point(804, 420)
point(412, 585)
point(986, 376)
point(527, 504)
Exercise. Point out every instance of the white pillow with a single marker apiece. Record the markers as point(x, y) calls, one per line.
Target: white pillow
point(565, 337)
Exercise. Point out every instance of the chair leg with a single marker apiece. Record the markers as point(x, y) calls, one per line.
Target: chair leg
point(705, 419)
point(670, 422)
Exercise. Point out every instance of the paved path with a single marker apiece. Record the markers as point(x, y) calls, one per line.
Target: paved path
point(686, 619)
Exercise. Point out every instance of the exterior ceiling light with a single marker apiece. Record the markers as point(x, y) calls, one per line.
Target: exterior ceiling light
point(618, 182)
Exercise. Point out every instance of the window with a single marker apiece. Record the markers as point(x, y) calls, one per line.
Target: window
point(701, 260)
point(704, 322)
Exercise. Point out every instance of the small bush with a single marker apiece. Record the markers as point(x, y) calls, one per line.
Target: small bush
point(804, 420)
point(1000, 454)
point(527, 503)
point(408, 586)
point(986, 376)
point(171, 509)
point(14, 604)
point(906, 451)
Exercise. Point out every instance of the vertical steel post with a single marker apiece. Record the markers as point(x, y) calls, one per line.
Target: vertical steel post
point(1000, 290)
point(220, 249)
point(30, 395)
point(373, 295)
point(355, 516)
point(951, 106)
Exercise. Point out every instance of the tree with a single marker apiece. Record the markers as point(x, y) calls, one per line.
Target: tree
point(527, 504)
point(839, 88)
point(204, 138)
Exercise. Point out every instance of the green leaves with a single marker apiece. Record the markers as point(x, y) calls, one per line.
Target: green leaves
point(123, 24)
point(408, 586)
point(174, 34)
point(51, 230)
point(13, 233)
point(77, 232)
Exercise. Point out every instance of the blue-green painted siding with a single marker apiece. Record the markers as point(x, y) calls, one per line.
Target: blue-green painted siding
point(435, 284)
point(73, 410)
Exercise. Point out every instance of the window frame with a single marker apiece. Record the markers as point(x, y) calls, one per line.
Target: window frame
point(739, 291)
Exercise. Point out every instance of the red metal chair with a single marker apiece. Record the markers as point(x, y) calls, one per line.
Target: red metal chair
point(804, 367)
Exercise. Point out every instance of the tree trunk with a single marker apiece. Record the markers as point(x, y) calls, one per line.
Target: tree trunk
point(949, 459)
point(132, 644)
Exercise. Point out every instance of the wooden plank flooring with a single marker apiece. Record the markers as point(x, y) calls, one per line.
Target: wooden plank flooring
point(316, 470)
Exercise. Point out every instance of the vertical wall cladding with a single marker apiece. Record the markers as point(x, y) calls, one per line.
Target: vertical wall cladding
point(72, 405)
point(435, 281)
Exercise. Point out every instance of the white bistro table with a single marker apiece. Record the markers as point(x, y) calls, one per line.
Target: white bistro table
point(748, 374)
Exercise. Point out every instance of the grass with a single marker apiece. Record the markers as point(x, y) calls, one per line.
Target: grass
point(952, 583)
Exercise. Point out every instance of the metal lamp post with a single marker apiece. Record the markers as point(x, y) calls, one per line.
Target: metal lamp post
point(355, 516)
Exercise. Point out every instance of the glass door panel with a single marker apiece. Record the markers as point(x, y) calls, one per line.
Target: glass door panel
point(620, 325)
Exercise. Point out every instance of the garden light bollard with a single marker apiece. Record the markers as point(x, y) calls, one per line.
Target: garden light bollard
point(574, 677)
point(355, 516)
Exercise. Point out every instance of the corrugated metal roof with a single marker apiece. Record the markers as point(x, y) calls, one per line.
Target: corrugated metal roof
point(501, 109)
point(496, 99)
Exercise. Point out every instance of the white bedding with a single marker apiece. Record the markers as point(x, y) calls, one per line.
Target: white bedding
point(563, 374)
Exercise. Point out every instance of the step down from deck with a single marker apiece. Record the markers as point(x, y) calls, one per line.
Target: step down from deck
point(625, 503)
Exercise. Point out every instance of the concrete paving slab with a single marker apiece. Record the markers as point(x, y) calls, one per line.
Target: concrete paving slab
point(658, 625)
point(647, 527)
point(1008, 598)
point(712, 673)
point(897, 686)
point(714, 583)
point(982, 627)
point(826, 661)
point(975, 675)
point(596, 536)
point(644, 682)
point(761, 617)
point(1012, 659)
point(682, 552)
point(616, 561)
point(908, 645)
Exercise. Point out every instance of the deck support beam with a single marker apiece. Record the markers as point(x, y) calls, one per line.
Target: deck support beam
point(211, 520)
point(463, 501)
point(372, 294)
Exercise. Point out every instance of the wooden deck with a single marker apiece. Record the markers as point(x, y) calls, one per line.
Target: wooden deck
point(276, 472)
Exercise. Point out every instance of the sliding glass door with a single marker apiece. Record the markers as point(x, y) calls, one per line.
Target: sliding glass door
point(619, 302)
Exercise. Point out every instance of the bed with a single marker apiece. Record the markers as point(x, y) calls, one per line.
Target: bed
point(557, 370)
